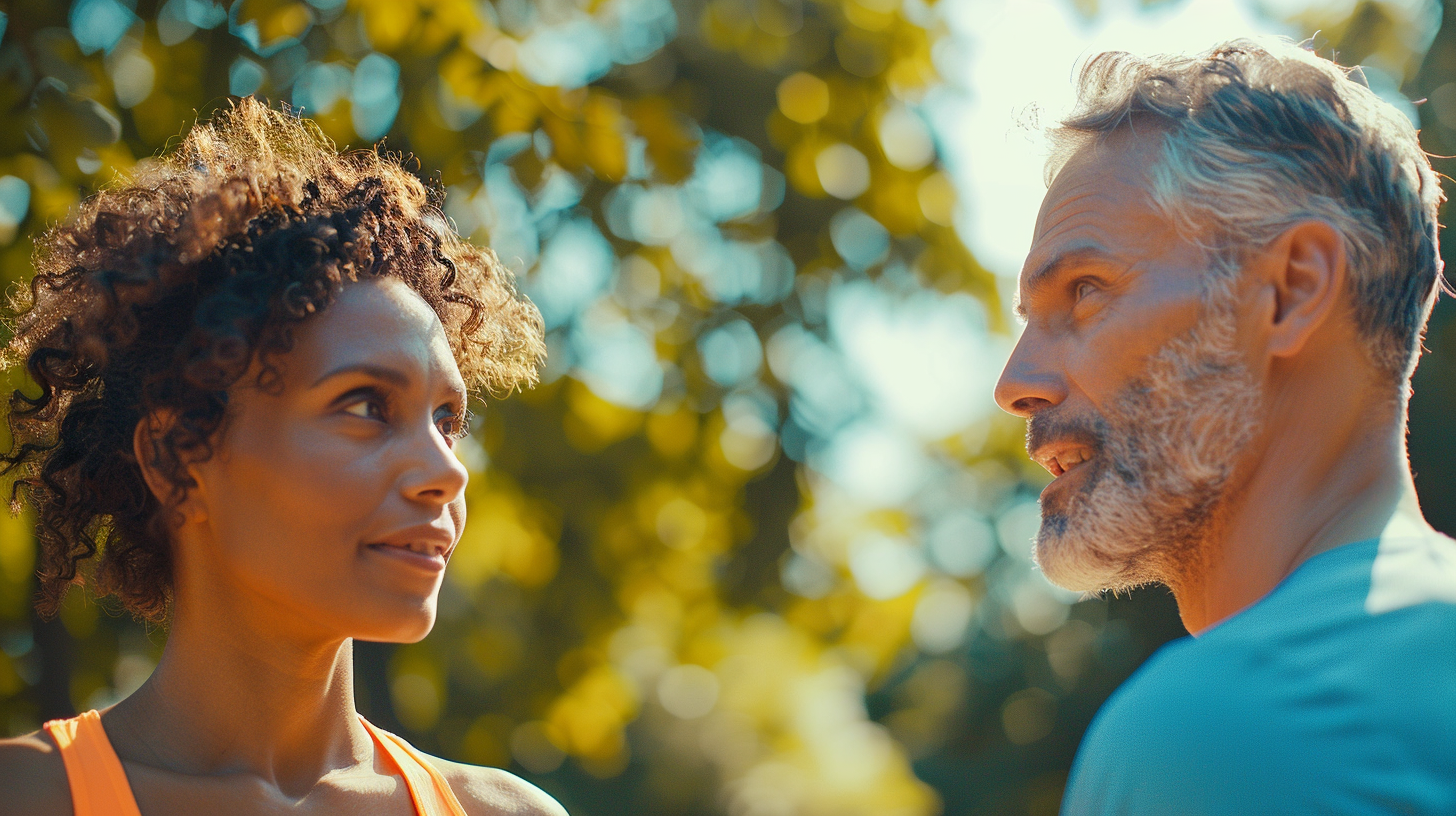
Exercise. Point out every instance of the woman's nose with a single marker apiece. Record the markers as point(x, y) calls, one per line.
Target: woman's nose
point(436, 475)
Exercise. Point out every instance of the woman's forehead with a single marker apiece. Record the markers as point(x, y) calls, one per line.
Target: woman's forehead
point(379, 322)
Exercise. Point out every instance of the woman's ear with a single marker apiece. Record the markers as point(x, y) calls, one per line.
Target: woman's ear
point(146, 442)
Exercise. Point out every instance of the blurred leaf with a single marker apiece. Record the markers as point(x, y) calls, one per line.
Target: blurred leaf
point(755, 543)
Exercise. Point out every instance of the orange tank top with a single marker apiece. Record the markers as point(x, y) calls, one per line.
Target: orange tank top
point(99, 787)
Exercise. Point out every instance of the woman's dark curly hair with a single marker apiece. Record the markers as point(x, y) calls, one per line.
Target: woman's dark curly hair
point(162, 290)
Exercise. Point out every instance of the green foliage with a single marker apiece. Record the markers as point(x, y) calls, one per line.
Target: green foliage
point(678, 592)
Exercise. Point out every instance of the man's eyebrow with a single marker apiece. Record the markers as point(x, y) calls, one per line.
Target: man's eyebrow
point(1075, 256)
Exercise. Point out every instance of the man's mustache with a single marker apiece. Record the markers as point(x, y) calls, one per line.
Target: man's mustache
point(1048, 426)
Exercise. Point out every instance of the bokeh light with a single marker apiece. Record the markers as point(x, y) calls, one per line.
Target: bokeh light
point(760, 541)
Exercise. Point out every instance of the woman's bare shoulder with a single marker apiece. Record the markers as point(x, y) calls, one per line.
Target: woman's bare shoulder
point(33, 777)
point(494, 792)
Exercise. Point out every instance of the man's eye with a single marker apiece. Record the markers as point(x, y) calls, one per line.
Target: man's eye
point(1083, 289)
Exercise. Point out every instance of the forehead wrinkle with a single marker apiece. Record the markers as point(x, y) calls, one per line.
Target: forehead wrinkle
point(1089, 210)
point(1110, 172)
point(1092, 216)
point(1047, 220)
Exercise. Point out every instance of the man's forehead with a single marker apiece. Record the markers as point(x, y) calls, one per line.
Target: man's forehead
point(1100, 199)
point(1112, 172)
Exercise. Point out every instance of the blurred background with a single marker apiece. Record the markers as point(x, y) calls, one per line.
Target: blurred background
point(758, 544)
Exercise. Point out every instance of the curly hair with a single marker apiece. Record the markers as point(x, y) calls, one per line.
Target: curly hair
point(163, 289)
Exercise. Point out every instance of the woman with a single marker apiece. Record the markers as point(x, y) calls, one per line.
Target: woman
point(253, 359)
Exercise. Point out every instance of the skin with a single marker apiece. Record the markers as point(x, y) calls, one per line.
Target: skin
point(1109, 282)
point(251, 708)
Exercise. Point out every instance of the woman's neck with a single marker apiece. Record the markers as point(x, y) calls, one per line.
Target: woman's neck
point(234, 695)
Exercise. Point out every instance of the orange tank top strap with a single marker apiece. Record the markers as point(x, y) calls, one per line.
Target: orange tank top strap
point(427, 786)
point(98, 783)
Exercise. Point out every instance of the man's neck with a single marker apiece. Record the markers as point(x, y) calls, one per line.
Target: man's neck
point(1319, 484)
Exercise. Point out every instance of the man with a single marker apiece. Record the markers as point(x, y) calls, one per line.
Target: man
point(1224, 301)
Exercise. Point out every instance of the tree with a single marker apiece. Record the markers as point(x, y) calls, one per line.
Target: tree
point(748, 548)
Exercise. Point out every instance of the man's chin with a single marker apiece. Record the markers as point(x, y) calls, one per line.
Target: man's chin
point(1075, 563)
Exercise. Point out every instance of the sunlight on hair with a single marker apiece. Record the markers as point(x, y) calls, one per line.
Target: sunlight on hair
point(1003, 119)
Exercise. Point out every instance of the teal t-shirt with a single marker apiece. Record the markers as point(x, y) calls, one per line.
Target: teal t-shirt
point(1334, 694)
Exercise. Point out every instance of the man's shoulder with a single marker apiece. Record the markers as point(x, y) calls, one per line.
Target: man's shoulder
point(493, 792)
point(1207, 720)
point(1416, 567)
point(1196, 701)
point(33, 777)
point(1264, 667)
point(1177, 736)
point(1169, 688)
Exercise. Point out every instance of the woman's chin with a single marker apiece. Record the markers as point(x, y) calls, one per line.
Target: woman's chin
point(401, 627)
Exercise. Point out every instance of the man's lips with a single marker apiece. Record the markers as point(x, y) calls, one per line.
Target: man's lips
point(1060, 457)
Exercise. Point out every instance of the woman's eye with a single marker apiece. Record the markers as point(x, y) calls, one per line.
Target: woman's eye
point(369, 408)
point(454, 426)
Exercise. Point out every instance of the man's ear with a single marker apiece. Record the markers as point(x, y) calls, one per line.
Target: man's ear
point(146, 444)
point(1306, 269)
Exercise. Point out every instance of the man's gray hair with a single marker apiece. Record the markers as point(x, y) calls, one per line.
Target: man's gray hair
point(1259, 135)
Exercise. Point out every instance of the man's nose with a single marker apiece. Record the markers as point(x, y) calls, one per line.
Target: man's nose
point(1033, 378)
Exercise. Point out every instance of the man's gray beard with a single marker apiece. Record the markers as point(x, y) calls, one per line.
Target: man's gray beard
point(1164, 455)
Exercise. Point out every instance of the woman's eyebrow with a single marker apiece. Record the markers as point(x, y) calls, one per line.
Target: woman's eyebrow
point(393, 376)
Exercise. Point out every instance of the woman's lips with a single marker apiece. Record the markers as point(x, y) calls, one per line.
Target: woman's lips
point(433, 561)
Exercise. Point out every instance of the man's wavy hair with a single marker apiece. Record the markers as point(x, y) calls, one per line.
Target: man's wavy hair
point(1258, 135)
point(161, 291)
